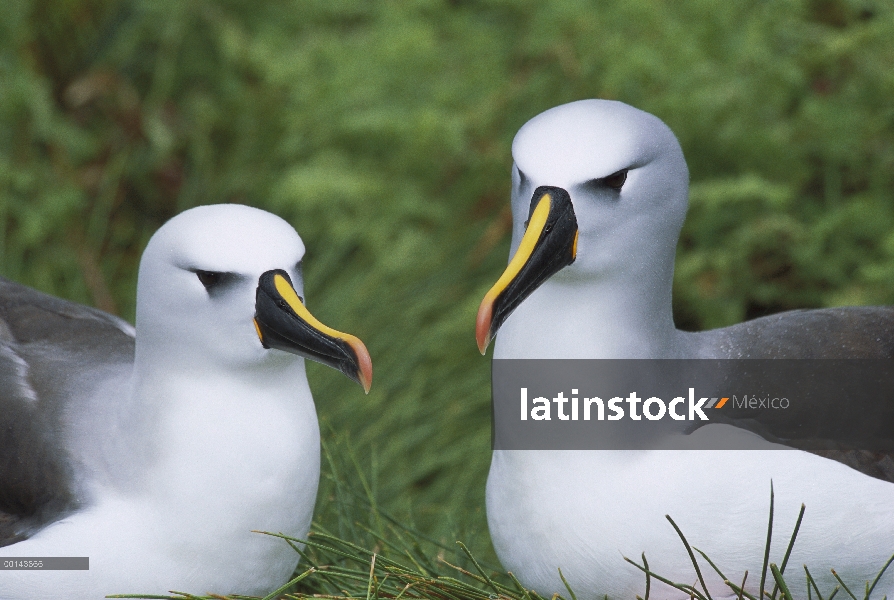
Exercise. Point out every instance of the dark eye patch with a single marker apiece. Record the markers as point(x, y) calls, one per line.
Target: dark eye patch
point(615, 181)
point(522, 179)
point(209, 278)
point(217, 282)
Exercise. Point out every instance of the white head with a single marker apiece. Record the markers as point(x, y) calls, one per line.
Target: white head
point(575, 146)
point(183, 323)
point(202, 302)
point(609, 218)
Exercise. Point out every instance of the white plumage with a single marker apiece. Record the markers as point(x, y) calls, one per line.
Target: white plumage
point(582, 510)
point(163, 463)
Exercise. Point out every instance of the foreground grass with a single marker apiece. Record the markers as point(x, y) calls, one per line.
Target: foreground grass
point(399, 567)
point(374, 556)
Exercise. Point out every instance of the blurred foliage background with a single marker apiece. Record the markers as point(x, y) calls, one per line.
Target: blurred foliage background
point(382, 131)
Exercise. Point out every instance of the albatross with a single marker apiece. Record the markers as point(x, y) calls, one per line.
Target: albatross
point(155, 453)
point(599, 195)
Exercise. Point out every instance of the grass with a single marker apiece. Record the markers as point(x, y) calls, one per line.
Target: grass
point(374, 556)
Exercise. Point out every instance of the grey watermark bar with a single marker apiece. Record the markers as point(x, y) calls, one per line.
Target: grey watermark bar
point(45, 563)
point(749, 404)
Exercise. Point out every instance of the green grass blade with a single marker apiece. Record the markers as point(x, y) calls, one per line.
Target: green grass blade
point(574, 596)
point(767, 547)
point(293, 581)
point(648, 577)
point(478, 566)
point(691, 556)
point(372, 572)
point(777, 575)
point(849, 593)
point(385, 542)
point(879, 576)
point(739, 590)
point(791, 544)
point(403, 591)
point(710, 562)
point(688, 589)
point(521, 588)
point(811, 582)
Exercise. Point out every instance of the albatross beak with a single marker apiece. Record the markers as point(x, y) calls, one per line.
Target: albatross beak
point(283, 322)
point(549, 244)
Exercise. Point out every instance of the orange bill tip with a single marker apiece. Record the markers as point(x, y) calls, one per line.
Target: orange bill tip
point(482, 324)
point(364, 363)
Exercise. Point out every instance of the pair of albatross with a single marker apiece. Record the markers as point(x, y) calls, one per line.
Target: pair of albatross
point(599, 194)
point(156, 457)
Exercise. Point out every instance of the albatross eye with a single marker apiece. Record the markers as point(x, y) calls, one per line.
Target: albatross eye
point(218, 283)
point(209, 278)
point(616, 180)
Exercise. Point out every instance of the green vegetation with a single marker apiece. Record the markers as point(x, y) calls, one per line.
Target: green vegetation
point(374, 557)
point(382, 131)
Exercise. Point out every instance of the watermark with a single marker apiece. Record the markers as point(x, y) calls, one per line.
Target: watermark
point(653, 408)
point(670, 404)
point(45, 563)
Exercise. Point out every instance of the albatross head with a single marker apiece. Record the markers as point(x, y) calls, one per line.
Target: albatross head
point(599, 193)
point(222, 285)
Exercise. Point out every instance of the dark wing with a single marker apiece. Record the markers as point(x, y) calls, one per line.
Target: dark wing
point(50, 349)
point(834, 333)
point(844, 333)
